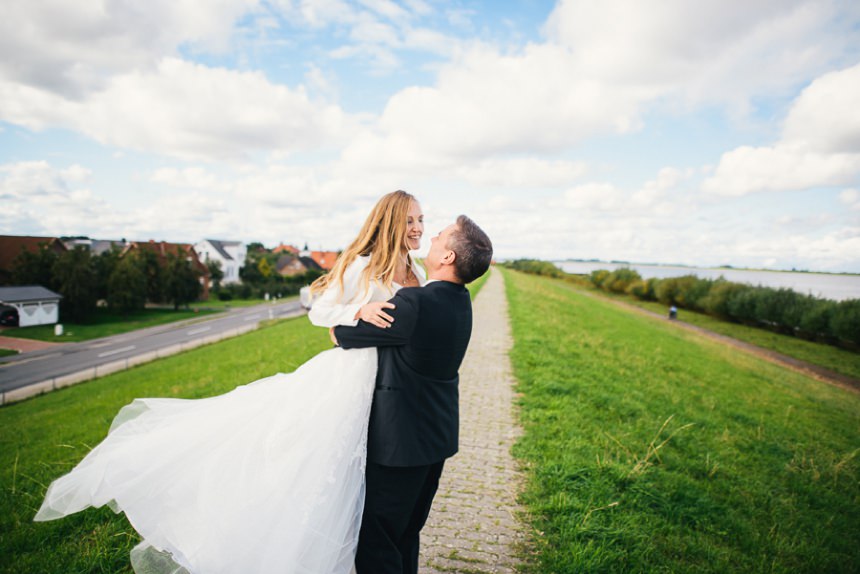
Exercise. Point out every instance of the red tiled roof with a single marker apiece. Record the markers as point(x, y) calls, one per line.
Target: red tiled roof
point(325, 259)
point(288, 248)
point(11, 245)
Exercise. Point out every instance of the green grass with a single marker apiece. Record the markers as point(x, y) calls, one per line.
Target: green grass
point(7, 352)
point(44, 437)
point(651, 449)
point(106, 323)
point(475, 286)
point(828, 356)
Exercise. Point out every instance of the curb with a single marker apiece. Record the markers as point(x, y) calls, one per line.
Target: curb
point(91, 373)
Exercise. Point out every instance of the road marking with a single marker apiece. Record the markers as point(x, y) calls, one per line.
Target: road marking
point(102, 344)
point(22, 361)
point(115, 351)
point(200, 330)
point(252, 317)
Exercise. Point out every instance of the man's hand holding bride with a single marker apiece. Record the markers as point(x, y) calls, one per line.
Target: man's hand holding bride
point(374, 314)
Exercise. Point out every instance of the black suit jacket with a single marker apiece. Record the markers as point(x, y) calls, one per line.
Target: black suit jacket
point(414, 419)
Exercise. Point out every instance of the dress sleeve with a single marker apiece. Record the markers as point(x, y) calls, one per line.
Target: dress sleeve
point(334, 307)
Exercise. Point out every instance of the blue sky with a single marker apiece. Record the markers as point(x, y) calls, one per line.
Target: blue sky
point(705, 133)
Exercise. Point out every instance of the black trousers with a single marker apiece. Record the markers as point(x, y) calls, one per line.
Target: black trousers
point(396, 507)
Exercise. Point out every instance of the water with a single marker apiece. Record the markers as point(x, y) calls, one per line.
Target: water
point(825, 285)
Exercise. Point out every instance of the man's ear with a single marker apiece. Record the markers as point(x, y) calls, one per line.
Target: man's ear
point(449, 257)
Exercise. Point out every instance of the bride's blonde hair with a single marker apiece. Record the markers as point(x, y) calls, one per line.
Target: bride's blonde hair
point(382, 237)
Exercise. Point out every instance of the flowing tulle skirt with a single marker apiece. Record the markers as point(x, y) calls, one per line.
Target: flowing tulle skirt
point(268, 478)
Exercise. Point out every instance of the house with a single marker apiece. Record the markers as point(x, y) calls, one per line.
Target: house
point(324, 259)
point(290, 265)
point(11, 247)
point(288, 249)
point(162, 249)
point(96, 246)
point(36, 305)
point(231, 255)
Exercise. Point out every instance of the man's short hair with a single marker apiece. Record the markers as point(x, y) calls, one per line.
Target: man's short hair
point(473, 250)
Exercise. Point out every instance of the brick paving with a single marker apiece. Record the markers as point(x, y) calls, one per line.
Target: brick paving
point(24, 345)
point(473, 526)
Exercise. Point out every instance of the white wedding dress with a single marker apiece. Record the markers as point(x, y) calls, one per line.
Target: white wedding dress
point(265, 479)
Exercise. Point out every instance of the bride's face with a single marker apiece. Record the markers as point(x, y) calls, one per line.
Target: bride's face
point(414, 226)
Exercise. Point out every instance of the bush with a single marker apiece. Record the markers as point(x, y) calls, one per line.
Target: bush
point(535, 267)
point(742, 305)
point(598, 276)
point(815, 322)
point(671, 291)
point(643, 290)
point(225, 295)
point(620, 280)
point(716, 302)
point(845, 321)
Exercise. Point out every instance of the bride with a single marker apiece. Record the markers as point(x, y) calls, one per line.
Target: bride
point(268, 478)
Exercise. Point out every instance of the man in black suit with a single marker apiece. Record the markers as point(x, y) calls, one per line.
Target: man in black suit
point(414, 418)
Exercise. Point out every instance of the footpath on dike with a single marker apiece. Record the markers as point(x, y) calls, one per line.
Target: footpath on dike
point(474, 524)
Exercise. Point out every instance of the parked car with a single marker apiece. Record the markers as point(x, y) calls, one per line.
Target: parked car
point(8, 316)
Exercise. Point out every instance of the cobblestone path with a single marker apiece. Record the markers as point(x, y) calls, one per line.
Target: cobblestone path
point(473, 525)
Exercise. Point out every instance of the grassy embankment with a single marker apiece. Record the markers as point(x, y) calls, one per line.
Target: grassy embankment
point(53, 432)
point(651, 449)
point(839, 360)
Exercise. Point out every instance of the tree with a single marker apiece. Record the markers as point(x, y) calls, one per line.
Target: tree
point(153, 275)
point(216, 274)
point(127, 286)
point(76, 275)
point(35, 268)
point(105, 263)
point(182, 285)
point(264, 267)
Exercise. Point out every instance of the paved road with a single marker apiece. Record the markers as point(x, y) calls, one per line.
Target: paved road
point(39, 371)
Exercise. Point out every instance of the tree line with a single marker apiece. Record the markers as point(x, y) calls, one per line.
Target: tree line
point(777, 309)
point(124, 282)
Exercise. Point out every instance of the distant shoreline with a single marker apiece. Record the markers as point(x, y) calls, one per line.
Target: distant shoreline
point(718, 268)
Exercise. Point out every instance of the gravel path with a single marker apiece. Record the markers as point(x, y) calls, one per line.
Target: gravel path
point(473, 527)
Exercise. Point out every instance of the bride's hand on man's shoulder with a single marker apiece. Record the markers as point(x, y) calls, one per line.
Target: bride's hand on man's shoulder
point(374, 314)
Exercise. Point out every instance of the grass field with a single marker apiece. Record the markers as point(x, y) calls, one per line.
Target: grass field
point(44, 437)
point(650, 449)
point(833, 358)
point(7, 352)
point(104, 324)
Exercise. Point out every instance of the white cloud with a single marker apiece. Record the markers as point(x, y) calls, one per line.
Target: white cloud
point(41, 199)
point(820, 145)
point(602, 66)
point(520, 172)
point(186, 110)
point(783, 167)
point(73, 48)
point(825, 115)
point(705, 52)
point(851, 199)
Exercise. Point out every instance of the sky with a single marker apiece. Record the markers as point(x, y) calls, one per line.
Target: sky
point(715, 132)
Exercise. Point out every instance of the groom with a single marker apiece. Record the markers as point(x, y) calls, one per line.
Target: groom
point(414, 419)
